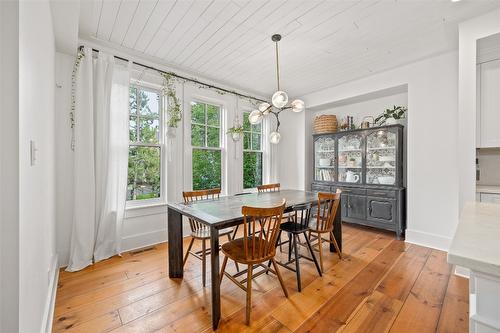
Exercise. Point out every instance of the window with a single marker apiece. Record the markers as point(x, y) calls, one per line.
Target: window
point(206, 143)
point(252, 153)
point(144, 156)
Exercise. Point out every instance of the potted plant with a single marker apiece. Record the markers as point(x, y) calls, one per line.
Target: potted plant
point(236, 132)
point(392, 116)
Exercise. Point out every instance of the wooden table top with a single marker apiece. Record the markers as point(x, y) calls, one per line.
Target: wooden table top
point(221, 211)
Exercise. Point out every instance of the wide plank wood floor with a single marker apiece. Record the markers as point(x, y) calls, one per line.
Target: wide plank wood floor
point(380, 285)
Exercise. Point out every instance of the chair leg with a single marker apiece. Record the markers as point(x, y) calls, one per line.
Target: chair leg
point(235, 232)
point(187, 253)
point(249, 293)
point(297, 266)
point(279, 277)
point(223, 269)
point(229, 239)
point(278, 240)
point(334, 241)
point(289, 246)
point(320, 248)
point(312, 254)
point(203, 261)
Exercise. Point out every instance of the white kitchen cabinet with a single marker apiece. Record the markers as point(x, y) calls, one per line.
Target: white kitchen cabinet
point(489, 105)
point(490, 198)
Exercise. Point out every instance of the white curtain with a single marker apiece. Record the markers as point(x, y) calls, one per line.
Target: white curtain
point(100, 159)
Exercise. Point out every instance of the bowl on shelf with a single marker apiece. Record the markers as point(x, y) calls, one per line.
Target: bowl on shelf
point(324, 162)
point(386, 158)
point(386, 180)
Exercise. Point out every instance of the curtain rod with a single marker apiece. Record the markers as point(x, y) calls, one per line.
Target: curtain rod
point(184, 78)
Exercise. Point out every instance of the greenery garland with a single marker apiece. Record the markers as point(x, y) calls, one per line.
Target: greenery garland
point(235, 129)
point(174, 110)
point(79, 56)
point(397, 112)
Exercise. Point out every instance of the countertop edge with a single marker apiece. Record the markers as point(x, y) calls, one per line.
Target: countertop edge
point(473, 264)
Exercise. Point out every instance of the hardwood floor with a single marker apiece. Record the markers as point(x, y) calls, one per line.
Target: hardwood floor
point(380, 285)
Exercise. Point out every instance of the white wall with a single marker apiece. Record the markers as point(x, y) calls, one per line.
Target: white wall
point(432, 194)
point(469, 32)
point(9, 167)
point(38, 261)
point(291, 159)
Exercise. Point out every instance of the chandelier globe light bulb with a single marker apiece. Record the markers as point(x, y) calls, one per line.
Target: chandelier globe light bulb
point(279, 99)
point(255, 117)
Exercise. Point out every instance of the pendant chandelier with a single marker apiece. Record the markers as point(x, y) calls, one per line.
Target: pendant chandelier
point(279, 102)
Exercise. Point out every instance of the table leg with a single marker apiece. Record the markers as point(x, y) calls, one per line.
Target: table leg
point(175, 266)
point(337, 229)
point(214, 257)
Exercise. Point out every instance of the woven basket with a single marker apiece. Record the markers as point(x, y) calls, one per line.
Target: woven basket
point(325, 124)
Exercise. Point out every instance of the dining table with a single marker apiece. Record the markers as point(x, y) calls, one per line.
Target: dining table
point(224, 212)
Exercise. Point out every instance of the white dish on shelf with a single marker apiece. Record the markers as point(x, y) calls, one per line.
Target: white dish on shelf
point(386, 159)
point(324, 162)
point(386, 180)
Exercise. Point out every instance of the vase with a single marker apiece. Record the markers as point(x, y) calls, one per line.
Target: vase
point(236, 136)
point(390, 121)
point(171, 132)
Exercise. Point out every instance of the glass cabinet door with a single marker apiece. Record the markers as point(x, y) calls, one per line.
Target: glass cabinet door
point(381, 157)
point(350, 158)
point(324, 159)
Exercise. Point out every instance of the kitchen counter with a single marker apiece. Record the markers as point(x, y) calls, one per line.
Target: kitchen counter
point(493, 189)
point(476, 244)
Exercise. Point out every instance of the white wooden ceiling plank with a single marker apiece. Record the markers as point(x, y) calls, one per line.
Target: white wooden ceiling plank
point(89, 17)
point(157, 18)
point(217, 22)
point(141, 18)
point(256, 43)
point(236, 44)
point(222, 40)
point(190, 28)
point(325, 42)
point(123, 20)
point(108, 15)
point(174, 17)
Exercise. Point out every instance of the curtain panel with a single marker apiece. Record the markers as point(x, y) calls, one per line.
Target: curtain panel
point(100, 159)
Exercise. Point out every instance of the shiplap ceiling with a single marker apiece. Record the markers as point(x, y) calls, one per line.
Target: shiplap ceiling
point(325, 43)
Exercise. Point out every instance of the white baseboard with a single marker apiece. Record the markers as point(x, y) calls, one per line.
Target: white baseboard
point(143, 240)
point(427, 239)
point(48, 313)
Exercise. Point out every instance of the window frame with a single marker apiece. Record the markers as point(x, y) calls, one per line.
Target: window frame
point(221, 127)
point(161, 145)
point(251, 150)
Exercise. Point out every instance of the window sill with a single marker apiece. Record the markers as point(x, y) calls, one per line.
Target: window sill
point(144, 205)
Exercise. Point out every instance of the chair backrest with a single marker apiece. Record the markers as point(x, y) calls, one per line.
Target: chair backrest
point(328, 203)
point(191, 196)
point(261, 245)
point(269, 188)
point(301, 214)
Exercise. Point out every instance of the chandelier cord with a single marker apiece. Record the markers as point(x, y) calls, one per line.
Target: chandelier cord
point(277, 66)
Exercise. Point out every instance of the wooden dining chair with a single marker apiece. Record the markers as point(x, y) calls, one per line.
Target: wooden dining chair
point(269, 188)
point(200, 231)
point(255, 250)
point(328, 203)
point(296, 225)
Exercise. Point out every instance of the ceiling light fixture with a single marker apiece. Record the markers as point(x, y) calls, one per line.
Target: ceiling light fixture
point(279, 102)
